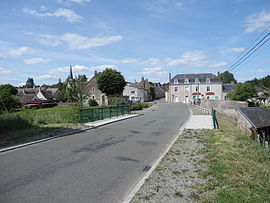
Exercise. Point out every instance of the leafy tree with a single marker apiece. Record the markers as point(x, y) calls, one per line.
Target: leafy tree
point(8, 97)
point(77, 91)
point(227, 77)
point(111, 82)
point(243, 92)
point(30, 83)
point(152, 93)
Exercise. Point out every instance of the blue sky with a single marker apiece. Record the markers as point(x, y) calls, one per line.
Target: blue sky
point(149, 38)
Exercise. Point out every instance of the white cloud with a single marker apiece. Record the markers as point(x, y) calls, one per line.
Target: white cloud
point(20, 51)
point(78, 42)
point(46, 77)
point(50, 40)
point(81, 69)
point(153, 61)
point(5, 71)
point(193, 59)
point(68, 2)
point(257, 22)
point(129, 61)
point(155, 74)
point(68, 14)
point(36, 60)
point(233, 50)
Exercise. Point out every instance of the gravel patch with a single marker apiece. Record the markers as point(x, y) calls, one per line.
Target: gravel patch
point(177, 176)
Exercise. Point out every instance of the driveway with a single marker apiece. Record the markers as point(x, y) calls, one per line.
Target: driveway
point(99, 165)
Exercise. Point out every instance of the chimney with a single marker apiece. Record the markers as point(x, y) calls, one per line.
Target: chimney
point(170, 77)
point(218, 74)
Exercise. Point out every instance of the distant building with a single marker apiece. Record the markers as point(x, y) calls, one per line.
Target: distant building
point(135, 94)
point(226, 89)
point(95, 93)
point(186, 88)
point(41, 93)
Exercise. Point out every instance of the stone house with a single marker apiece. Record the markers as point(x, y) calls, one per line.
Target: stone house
point(135, 94)
point(187, 88)
point(95, 93)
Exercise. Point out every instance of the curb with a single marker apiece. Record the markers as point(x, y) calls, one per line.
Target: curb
point(137, 187)
point(66, 134)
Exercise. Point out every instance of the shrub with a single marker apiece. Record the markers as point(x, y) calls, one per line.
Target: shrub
point(92, 102)
point(136, 107)
point(117, 101)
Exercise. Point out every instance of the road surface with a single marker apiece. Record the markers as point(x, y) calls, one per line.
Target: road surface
point(99, 165)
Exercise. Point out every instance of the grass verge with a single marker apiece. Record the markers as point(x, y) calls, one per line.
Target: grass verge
point(239, 169)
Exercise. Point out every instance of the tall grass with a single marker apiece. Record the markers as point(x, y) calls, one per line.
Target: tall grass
point(239, 169)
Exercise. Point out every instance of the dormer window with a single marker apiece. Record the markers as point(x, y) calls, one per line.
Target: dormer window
point(186, 81)
point(197, 80)
point(175, 81)
point(207, 80)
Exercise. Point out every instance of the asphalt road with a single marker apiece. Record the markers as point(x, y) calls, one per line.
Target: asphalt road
point(98, 165)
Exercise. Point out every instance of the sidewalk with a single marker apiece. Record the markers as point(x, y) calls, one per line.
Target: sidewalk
point(200, 122)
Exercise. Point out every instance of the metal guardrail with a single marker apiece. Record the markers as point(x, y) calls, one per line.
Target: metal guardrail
point(100, 113)
point(214, 117)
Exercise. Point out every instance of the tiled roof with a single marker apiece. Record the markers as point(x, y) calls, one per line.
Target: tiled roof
point(191, 77)
point(228, 87)
point(257, 116)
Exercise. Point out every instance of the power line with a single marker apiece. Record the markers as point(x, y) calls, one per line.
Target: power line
point(244, 58)
point(238, 62)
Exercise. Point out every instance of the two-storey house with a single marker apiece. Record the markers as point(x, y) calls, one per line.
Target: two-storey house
point(187, 88)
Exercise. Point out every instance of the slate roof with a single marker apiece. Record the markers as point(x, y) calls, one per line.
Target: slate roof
point(228, 87)
point(257, 116)
point(191, 77)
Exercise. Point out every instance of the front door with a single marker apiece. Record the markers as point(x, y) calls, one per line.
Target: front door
point(186, 100)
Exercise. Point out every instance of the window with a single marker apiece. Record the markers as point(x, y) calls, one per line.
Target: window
point(208, 89)
point(197, 80)
point(197, 89)
point(186, 81)
point(132, 92)
point(175, 81)
point(207, 80)
point(186, 88)
point(207, 97)
point(176, 89)
point(93, 97)
point(93, 89)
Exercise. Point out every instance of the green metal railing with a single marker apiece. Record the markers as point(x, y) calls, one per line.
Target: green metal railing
point(100, 113)
point(214, 117)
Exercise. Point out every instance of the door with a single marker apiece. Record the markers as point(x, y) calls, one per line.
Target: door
point(186, 100)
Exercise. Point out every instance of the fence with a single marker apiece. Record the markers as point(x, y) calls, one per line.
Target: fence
point(214, 117)
point(100, 113)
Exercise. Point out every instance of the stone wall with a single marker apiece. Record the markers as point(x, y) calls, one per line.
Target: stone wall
point(224, 106)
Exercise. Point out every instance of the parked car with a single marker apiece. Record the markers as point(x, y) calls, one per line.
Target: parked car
point(40, 104)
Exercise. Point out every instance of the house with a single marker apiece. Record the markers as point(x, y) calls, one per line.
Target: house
point(135, 94)
point(226, 89)
point(41, 93)
point(187, 88)
point(95, 93)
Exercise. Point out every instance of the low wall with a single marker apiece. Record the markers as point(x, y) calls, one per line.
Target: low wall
point(225, 107)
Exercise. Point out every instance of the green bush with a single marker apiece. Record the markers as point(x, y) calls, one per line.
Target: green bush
point(92, 102)
point(13, 121)
point(117, 101)
point(136, 107)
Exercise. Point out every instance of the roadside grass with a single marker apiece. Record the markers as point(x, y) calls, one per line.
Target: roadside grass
point(32, 124)
point(238, 168)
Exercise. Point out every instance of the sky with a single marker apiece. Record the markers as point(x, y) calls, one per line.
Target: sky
point(151, 38)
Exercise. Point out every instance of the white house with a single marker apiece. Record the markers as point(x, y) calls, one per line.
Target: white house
point(134, 93)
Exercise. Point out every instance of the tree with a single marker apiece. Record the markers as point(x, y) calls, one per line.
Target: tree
point(8, 97)
point(243, 92)
point(30, 83)
point(227, 77)
point(111, 82)
point(152, 93)
point(77, 91)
